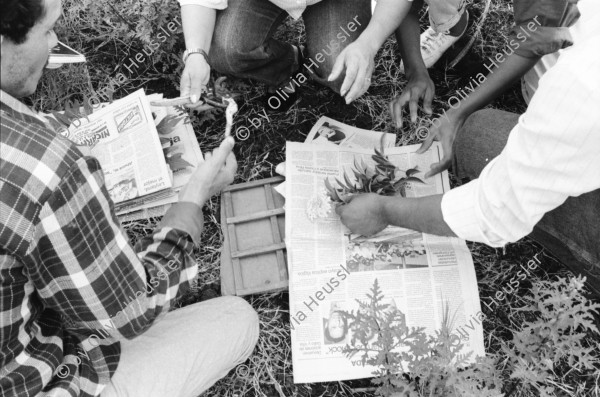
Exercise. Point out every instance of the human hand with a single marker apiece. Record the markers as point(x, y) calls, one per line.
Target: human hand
point(194, 78)
point(358, 59)
point(445, 131)
point(212, 175)
point(419, 87)
point(363, 214)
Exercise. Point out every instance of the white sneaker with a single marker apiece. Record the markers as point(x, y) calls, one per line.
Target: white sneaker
point(433, 46)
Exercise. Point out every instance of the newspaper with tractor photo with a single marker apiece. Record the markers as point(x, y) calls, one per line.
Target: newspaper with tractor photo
point(330, 269)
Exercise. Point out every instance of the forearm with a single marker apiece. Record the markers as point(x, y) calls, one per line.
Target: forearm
point(422, 214)
point(386, 18)
point(501, 78)
point(409, 39)
point(186, 214)
point(128, 287)
point(198, 26)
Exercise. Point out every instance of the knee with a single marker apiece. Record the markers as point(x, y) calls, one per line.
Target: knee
point(245, 320)
point(319, 68)
point(478, 118)
point(471, 131)
point(228, 56)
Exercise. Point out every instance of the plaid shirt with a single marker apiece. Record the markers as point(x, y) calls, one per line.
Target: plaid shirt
point(71, 286)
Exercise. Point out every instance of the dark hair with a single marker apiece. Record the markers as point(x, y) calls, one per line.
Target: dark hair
point(326, 328)
point(17, 17)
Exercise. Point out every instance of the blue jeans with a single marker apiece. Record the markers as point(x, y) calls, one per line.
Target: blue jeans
point(243, 44)
point(571, 232)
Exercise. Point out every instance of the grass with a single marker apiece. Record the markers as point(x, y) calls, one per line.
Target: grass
point(269, 371)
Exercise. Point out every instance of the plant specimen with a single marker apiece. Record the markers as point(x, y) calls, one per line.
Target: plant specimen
point(411, 363)
point(553, 343)
point(319, 206)
point(384, 179)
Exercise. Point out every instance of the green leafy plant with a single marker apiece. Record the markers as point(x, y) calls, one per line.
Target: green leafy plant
point(411, 363)
point(385, 179)
point(551, 345)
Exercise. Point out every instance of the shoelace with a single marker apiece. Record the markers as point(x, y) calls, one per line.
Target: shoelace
point(431, 39)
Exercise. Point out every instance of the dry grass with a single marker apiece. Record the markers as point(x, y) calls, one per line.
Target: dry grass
point(269, 371)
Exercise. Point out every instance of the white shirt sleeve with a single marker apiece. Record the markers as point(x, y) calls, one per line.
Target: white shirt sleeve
point(551, 154)
point(216, 4)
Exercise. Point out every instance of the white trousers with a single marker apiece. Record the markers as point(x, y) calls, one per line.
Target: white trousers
point(186, 351)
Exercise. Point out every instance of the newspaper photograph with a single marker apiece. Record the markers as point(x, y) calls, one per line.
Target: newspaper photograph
point(329, 131)
point(330, 269)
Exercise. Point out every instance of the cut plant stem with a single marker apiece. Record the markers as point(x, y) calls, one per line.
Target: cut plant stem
point(232, 109)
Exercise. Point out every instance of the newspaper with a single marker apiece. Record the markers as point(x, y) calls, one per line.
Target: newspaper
point(328, 131)
point(330, 268)
point(179, 140)
point(123, 137)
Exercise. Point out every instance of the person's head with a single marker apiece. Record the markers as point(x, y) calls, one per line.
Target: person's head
point(336, 327)
point(332, 133)
point(27, 35)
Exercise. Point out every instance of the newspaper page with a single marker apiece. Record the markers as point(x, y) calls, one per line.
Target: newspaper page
point(329, 131)
point(179, 143)
point(330, 268)
point(123, 137)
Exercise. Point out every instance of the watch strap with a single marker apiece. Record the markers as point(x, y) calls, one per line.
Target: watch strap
point(191, 51)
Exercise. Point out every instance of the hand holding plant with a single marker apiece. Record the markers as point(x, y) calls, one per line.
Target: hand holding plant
point(384, 179)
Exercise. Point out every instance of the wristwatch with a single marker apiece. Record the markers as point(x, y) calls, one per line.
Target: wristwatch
point(191, 51)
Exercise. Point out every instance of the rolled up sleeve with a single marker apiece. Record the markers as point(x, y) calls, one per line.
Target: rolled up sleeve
point(551, 154)
point(215, 4)
point(541, 26)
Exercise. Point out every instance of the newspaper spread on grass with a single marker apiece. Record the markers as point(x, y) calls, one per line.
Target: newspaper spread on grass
point(330, 268)
point(123, 137)
point(328, 131)
point(181, 147)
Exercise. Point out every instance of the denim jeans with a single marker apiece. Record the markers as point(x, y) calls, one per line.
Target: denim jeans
point(571, 232)
point(444, 14)
point(243, 43)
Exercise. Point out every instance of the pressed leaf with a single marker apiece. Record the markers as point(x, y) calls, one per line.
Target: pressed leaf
point(347, 180)
point(71, 115)
point(167, 124)
point(62, 118)
point(87, 107)
point(334, 195)
point(414, 179)
point(412, 171)
point(328, 184)
point(177, 163)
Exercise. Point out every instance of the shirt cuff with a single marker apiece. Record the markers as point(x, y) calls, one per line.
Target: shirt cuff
point(187, 217)
point(215, 4)
point(461, 212)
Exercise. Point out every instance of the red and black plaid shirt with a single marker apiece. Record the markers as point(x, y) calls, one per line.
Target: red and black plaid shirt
point(71, 286)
